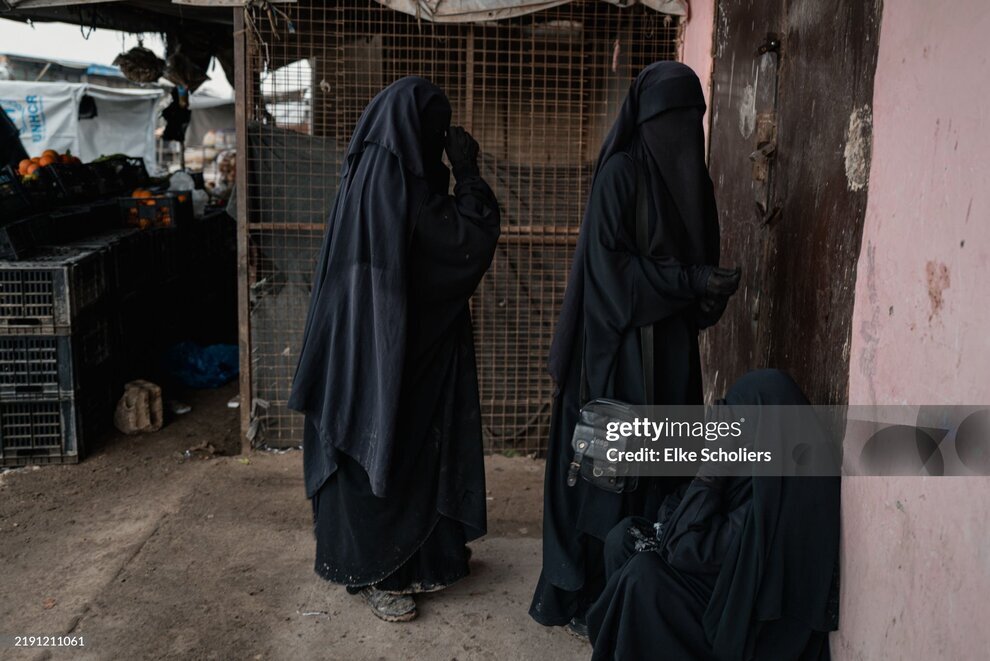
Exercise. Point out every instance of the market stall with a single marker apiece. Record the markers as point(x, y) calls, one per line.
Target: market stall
point(107, 276)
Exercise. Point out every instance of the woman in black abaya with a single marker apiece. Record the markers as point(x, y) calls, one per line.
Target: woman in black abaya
point(614, 289)
point(386, 377)
point(742, 568)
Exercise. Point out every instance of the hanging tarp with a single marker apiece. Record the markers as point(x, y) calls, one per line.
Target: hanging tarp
point(115, 121)
point(472, 11)
point(209, 113)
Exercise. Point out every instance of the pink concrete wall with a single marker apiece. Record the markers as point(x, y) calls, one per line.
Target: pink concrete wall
point(916, 552)
point(696, 49)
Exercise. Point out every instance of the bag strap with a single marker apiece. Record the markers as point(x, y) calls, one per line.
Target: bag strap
point(643, 242)
point(646, 332)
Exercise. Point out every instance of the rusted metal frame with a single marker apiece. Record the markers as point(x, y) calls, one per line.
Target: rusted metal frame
point(469, 80)
point(241, 100)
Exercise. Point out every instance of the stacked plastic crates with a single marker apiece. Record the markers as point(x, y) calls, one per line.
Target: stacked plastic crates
point(57, 372)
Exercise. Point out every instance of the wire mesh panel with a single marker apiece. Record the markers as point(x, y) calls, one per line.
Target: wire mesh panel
point(538, 92)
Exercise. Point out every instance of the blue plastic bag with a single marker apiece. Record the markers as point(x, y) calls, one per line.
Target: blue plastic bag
point(195, 366)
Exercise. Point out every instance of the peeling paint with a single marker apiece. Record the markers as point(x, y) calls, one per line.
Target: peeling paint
point(870, 328)
point(937, 276)
point(859, 147)
point(747, 112)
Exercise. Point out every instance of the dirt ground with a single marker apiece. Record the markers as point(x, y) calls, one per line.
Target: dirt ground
point(149, 553)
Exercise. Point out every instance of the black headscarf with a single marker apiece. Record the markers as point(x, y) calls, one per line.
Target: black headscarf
point(350, 367)
point(674, 155)
point(784, 564)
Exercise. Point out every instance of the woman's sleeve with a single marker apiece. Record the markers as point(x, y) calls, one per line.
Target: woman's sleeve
point(454, 239)
point(652, 287)
point(700, 533)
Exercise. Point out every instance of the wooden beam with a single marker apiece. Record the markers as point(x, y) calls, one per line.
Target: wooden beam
point(38, 4)
point(217, 3)
point(241, 98)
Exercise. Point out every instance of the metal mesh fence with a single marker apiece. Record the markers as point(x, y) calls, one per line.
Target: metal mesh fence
point(537, 92)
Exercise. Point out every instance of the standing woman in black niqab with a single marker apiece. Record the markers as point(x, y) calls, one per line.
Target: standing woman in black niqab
point(387, 379)
point(614, 289)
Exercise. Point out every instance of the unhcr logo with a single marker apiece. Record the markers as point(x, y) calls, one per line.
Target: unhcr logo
point(28, 116)
point(35, 117)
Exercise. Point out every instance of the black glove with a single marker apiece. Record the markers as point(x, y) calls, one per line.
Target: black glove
point(462, 151)
point(721, 285)
point(722, 282)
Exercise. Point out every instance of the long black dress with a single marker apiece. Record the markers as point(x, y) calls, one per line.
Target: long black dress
point(387, 378)
point(613, 290)
point(744, 568)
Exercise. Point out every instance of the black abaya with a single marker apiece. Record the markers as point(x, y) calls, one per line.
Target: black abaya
point(613, 290)
point(387, 376)
point(745, 568)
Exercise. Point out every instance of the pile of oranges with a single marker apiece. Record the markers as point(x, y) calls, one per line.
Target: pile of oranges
point(29, 166)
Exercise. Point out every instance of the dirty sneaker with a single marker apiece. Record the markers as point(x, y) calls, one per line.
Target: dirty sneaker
point(389, 607)
point(578, 628)
point(420, 588)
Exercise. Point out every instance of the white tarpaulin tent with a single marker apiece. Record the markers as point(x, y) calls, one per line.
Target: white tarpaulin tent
point(469, 11)
point(209, 113)
point(47, 115)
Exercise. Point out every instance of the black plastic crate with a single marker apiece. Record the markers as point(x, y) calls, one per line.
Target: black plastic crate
point(137, 324)
point(42, 431)
point(19, 238)
point(167, 256)
point(57, 365)
point(48, 430)
point(71, 182)
point(133, 172)
point(75, 222)
point(119, 174)
point(170, 209)
point(32, 365)
point(14, 200)
point(129, 258)
point(49, 289)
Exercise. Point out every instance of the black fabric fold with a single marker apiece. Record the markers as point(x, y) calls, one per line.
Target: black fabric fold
point(673, 151)
point(387, 376)
point(746, 568)
point(613, 290)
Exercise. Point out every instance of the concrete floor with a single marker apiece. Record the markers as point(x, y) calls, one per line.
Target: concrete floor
point(147, 553)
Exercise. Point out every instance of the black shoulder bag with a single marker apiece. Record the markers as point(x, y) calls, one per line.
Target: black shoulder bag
point(589, 441)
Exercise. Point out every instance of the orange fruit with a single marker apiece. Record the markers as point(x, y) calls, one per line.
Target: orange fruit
point(31, 169)
point(49, 152)
point(47, 160)
point(22, 167)
point(140, 192)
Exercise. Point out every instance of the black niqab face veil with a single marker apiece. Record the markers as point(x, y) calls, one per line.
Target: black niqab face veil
point(351, 363)
point(671, 147)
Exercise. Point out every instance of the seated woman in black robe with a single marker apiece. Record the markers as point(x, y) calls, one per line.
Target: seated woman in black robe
point(387, 379)
point(614, 289)
point(735, 568)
